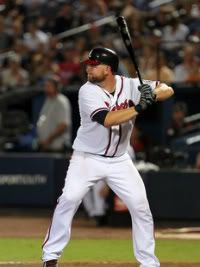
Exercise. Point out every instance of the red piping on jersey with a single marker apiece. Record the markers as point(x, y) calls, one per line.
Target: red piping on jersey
point(49, 230)
point(120, 128)
point(122, 85)
point(106, 93)
point(108, 146)
point(97, 110)
point(120, 135)
point(157, 83)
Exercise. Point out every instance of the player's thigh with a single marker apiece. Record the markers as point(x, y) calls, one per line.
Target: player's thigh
point(127, 183)
point(81, 175)
point(76, 181)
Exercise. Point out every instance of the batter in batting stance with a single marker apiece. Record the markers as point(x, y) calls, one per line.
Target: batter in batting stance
point(108, 106)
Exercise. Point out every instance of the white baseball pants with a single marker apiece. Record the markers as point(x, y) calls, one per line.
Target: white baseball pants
point(123, 178)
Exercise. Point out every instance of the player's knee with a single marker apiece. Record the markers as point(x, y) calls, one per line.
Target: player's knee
point(69, 199)
point(139, 205)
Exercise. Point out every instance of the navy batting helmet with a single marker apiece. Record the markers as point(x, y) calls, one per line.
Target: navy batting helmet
point(102, 55)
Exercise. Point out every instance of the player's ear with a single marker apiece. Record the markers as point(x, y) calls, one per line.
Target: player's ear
point(109, 69)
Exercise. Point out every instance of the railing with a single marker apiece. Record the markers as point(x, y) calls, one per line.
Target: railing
point(157, 3)
point(86, 27)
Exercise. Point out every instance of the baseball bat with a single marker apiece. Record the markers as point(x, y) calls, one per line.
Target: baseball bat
point(123, 28)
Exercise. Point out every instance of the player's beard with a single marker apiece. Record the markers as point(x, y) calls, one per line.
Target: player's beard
point(96, 79)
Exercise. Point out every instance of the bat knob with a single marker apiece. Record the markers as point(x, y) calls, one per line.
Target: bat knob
point(121, 21)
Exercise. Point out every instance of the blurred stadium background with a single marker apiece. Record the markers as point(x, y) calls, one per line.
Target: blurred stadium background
point(44, 37)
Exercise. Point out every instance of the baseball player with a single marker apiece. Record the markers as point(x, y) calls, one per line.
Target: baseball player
point(108, 106)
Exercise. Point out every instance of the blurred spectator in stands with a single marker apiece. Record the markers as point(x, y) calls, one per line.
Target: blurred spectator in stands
point(174, 34)
point(34, 38)
point(90, 10)
point(130, 12)
point(41, 68)
point(160, 17)
point(21, 49)
point(147, 60)
point(65, 20)
point(141, 4)
point(14, 8)
point(69, 67)
point(190, 11)
point(5, 37)
point(136, 26)
point(54, 122)
point(16, 29)
point(139, 143)
point(160, 70)
point(189, 69)
point(33, 6)
point(55, 47)
point(14, 75)
point(177, 125)
point(82, 44)
point(194, 22)
point(115, 6)
point(197, 162)
point(1, 137)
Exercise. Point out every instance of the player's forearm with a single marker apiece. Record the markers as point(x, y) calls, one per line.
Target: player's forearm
point(119, 116)
point(163, 92)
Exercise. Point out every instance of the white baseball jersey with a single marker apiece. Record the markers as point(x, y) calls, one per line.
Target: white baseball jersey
point(92, 137)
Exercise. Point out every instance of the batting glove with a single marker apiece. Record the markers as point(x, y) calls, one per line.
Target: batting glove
point(147, 93)
point(146, 99)
point(141, 106)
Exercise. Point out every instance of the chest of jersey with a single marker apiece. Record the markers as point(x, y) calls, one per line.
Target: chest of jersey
point(122, 97)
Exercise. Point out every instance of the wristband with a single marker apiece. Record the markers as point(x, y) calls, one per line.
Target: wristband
point(138, 108)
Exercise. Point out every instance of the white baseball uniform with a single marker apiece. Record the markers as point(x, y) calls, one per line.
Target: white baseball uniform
point(101, 153)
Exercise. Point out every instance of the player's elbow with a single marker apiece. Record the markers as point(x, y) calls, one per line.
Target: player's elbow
point(163, 92)
point(107, 124)
point(169, 92)
point(109, 120)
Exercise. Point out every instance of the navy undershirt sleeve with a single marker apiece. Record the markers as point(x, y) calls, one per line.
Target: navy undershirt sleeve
point(100, 116)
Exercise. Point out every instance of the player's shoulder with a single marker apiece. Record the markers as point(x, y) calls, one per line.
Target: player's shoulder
point(135, 81)
point(89, 88)
point(121, 78)
point(86, 86)
point(130, 82)
point(128, 79)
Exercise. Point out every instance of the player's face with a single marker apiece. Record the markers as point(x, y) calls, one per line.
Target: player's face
point(97, 73)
